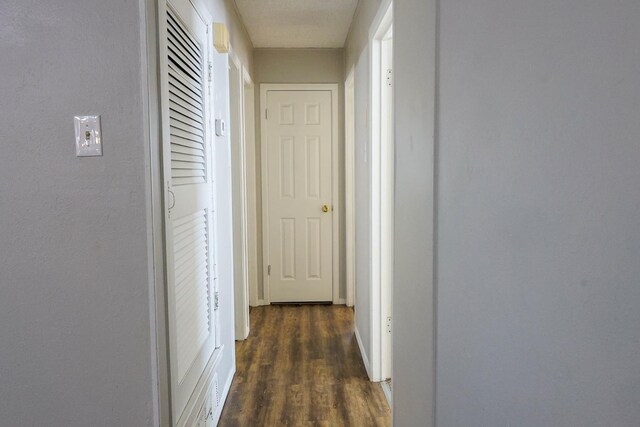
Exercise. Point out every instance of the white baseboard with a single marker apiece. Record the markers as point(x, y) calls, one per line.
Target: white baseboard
point(365, 359)
point(223, 397)
point(340, 301)
point(388, 393)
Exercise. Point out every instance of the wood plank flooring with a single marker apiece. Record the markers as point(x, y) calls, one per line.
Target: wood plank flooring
point(301, 366)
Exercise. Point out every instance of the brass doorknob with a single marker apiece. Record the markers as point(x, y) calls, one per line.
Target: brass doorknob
point(325, 208)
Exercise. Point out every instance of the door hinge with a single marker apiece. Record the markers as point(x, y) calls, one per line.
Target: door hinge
point(269, 270)
point(389, 77)
point(216, 300)
point(210, 68)
point(266, 114)
point(389, 324)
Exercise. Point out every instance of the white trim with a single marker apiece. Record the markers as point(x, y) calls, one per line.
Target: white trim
point(387, 183)
point(251, 172)
point(246, 76)
point(378, 314)
point(349, 179)
point(234, 59)
point(223, 396)
point(365, 359)
point(335, 176)
point(381, 20)
point(239, 199)
point(155, 214)
point(388, 393)
point(266, 292)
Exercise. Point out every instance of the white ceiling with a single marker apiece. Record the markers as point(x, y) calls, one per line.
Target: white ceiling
point(297, 23)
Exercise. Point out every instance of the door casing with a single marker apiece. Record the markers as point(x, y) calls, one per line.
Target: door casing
point(240, 200)
point(349, 183)
point(380, 356)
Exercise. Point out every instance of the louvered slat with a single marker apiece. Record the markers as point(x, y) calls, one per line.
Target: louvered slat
point(181, 57)
point(187, 151)
point(195, 275)
point(194, 173)
point(186, 105)
point(191, 289)
point(175, 39)
point(180, 89)
point(178, 143)
point(173, 23)
point(186, 127)
point(187, 82)
point(188, 91)
point(185, 157)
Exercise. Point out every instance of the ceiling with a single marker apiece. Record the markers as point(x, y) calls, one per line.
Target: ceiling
point(297, 23)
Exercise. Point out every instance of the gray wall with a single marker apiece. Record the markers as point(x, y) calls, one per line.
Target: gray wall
point(538, 230)
point(413, 292)
point(75, 332)
point(300, 66)
point(74, 289)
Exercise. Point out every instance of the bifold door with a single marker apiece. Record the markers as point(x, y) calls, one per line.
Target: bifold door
point(187, 157)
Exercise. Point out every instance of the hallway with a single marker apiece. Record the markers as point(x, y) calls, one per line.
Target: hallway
point(301, 366)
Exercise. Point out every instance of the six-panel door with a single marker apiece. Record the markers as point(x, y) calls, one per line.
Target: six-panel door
point(299, 132)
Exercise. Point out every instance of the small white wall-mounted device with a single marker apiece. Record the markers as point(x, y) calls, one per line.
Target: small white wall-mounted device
point(220, 37)
point(88, 136)
point(221, 129)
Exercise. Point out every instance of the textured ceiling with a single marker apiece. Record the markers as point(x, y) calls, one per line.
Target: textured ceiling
point(297, 23)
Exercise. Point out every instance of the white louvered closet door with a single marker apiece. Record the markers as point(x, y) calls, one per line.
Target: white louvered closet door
point(187, 155)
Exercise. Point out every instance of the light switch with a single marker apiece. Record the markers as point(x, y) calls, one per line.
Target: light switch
point(88, 136)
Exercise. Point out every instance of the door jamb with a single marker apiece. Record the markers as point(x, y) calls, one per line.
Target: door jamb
point(349, 179)
point(335, 195)
point(378, 315)
point(160, 375)
point(239, 182)
point(251, 186)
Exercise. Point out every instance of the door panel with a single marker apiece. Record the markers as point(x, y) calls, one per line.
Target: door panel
point(299, 175)
point(186, 146)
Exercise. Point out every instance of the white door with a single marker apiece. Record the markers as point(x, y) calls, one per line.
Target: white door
point(299, 173)
point(187, 156)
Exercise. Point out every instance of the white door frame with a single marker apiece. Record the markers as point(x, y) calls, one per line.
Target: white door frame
point(335, 199)
point(380, 338)
point(251, 185)
point(349, 180)
point(159, 343)
point(240, 203)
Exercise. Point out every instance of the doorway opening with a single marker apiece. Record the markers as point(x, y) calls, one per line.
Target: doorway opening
point(382, 196)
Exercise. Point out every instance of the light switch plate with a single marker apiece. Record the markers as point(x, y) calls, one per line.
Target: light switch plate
point(88, 136)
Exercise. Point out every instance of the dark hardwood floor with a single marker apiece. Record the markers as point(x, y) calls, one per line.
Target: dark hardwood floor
point(301, 366)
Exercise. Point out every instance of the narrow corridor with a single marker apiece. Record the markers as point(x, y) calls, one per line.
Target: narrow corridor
point(301, 366)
